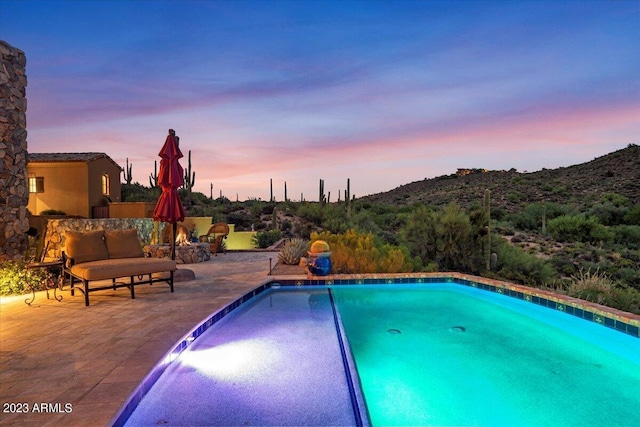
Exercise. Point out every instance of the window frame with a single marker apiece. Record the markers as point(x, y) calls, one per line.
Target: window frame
point(36, 184)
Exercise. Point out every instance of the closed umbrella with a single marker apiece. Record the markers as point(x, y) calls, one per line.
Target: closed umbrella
point(170, 177)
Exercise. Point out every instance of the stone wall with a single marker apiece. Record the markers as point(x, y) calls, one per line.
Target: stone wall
point(187, 254)
point(14, 192)
point(54, 235)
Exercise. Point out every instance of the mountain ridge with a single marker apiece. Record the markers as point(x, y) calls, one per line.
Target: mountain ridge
point(582, 184)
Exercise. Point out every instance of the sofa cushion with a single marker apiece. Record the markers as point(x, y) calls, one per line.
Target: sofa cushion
point(85, 246)
point(124, 267)
point(123, 243)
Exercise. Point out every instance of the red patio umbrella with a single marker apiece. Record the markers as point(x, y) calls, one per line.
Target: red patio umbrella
point(169, 207)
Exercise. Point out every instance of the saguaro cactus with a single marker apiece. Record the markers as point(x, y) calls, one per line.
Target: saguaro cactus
point(487, 214)
point(274, 219)
point(347, 197)
point(285, 192)
point(321, 193)
point(189, 177)
point(127, 172)
point(271, 190)
point(153, 178)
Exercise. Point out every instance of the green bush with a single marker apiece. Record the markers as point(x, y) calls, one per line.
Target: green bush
point(14, 277)
point(608, 214)
point(264, 239)
point(530, 218)
point(241, 220)
point(632, 217)
point(579, 228)
point(519, 266)
point(311, 212)
point(627, 235)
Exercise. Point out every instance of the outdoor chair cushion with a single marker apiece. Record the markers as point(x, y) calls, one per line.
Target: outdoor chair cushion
point(123, 243)
point(125, 267)
point(85, 246)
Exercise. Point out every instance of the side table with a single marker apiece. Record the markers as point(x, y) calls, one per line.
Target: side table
point(50, 283)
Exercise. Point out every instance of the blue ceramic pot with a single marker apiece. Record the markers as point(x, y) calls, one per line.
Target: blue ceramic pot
point(320, 266)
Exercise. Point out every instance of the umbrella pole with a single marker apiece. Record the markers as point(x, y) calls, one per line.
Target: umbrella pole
point(174, 228)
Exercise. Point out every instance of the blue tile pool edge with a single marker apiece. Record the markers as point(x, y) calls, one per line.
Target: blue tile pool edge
point(583, 309)
point(605, 316)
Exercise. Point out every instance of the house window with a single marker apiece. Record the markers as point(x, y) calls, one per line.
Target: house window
point(36, 184)
point(105, 184)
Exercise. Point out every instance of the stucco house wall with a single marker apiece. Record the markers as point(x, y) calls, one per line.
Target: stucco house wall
point(72, 182)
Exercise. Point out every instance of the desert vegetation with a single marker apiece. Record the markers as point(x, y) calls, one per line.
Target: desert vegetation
point(575, 230)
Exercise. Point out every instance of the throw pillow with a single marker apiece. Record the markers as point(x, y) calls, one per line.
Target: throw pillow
point(123, 243)
point(85, 246)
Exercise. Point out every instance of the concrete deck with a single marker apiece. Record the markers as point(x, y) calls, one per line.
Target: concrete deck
point(78, 365)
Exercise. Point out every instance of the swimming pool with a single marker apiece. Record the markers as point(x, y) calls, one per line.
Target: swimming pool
point(431, 354)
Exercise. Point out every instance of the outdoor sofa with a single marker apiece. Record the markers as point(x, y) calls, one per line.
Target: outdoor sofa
point(110, 255)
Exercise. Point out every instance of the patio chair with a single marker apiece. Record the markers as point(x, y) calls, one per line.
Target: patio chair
point(216, 235)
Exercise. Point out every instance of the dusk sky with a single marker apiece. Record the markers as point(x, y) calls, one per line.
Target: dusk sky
point(382, 92)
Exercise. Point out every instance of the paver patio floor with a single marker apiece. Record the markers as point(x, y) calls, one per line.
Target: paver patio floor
point(82, 363)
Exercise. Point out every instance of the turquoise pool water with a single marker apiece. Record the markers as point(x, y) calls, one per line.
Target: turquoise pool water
point(455, 355)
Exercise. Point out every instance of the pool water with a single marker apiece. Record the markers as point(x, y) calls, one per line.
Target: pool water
point(436, 354)
point(455, 355)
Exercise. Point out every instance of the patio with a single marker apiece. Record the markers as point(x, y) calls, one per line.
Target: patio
point(79, 364)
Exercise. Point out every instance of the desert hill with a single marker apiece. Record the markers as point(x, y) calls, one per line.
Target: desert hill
point(582, 184)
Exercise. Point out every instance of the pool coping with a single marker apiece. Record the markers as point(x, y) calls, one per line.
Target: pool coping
point(627, 323)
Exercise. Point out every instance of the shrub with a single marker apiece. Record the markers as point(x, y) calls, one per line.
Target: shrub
point(600, 288)
point(627, 235)
point(264, 239)
point(578, 228)
point(632, 217)
point(517, 265)
point(293, 250)
point(354, 252)
point(531, 218)
point(14, 277)
point(241, 220)
point(595, 287)
point(52, 212)
point(608, 213)
point(311, 212)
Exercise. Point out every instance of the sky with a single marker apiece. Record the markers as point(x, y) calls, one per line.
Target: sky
point(383, 93)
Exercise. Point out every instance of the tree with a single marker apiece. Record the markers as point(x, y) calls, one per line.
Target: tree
point(420, 234)
point(455, 229)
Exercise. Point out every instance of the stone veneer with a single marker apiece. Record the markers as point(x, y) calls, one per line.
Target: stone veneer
point(185, 254)
point(54, 234)
point(14, 191)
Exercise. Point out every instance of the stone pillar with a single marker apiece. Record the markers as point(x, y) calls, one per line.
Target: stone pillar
point(14, 192)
